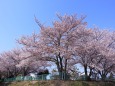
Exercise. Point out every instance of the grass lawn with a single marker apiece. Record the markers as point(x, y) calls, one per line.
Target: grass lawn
point(58, 83)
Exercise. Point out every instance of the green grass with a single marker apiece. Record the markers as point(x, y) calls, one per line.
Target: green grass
point(58, 83)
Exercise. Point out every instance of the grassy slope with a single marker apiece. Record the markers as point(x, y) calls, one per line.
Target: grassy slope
point(59, 83)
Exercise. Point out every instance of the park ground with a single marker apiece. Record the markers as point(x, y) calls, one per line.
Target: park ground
point(58, 83)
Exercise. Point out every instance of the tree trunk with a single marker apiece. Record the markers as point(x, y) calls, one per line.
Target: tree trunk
point(61, 67)
point(90, 73)
point(85, 70)
point(65, 70)
point(103, 77)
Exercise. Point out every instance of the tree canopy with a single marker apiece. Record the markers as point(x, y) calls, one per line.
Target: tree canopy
point(66, 43)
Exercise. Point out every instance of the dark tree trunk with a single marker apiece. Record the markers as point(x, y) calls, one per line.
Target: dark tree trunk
point(61, 67)
point(103, 77)
point(86, 75)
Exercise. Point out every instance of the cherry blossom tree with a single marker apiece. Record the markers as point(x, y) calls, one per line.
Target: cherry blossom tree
point(105, 63)
point(66, 43)
point(9, 60)
point(16, 62)
point(55, 43)
point(94, 52)
point(85, 50)
point(30, 64)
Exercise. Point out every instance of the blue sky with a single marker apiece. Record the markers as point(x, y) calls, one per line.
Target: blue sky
point(17, 16)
